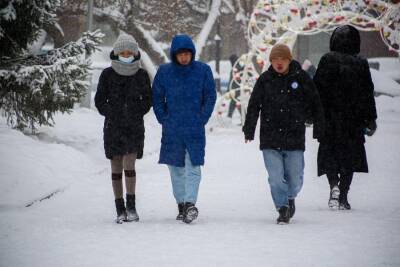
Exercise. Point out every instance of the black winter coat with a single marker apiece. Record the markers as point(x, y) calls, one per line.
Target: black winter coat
point(123, 100)
point(285, 102)
point(345, 86)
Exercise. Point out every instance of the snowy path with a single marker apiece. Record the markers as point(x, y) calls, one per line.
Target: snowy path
point(236, 226)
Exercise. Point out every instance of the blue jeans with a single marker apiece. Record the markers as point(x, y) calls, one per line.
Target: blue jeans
point(185, 181)
point(285, 171)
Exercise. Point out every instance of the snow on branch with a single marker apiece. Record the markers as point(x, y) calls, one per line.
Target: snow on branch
point(208, 25)
point(111, 13)
point(201, 7)
point(33, 88)
point(153, 43)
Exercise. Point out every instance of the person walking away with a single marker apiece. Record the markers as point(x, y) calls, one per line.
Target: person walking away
point(344, 82)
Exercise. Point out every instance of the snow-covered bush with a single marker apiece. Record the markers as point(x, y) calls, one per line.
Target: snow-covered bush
point(34, 87)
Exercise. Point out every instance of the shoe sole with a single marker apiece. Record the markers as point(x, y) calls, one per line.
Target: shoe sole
point(132, 220)
point(282, 223)
point(333, 204)
point(343, 208)
point(120, 221)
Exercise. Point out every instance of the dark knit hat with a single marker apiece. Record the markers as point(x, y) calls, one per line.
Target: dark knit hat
point(280, 50)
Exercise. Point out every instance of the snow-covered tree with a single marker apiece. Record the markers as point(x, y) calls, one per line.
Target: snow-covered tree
point(34, 87)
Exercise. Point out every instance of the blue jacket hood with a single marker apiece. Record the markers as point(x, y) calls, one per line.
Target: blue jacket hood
point(182, 41)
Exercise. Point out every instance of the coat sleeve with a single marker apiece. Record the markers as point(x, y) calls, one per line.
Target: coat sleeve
point(159, 97)
point(366, 96)
point(101, 98)
point(253, 109)
point(147, 94)
point(209, 96)
point(315, 106)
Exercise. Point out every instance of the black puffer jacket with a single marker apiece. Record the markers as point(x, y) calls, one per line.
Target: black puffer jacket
point(285, 102)
point(345, 86)
point(123, 100)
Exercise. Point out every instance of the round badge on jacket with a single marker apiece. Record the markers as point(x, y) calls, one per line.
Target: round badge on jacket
point(294, 85)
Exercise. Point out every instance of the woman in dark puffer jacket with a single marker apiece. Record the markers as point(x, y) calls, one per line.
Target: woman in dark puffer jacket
point(124, 97)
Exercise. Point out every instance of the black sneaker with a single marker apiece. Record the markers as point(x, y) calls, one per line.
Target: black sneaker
point(190, 212)
point(121, 211)
point(292, 207)
point(181, 206)
point(333, 202)
point(284, 216)
point(131, 213)
point(343, 202)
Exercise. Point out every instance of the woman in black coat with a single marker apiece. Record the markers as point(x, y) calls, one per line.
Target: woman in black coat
point(345, 86)
point(124, 97)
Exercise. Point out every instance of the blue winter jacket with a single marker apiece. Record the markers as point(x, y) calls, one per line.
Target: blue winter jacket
point(183, 100)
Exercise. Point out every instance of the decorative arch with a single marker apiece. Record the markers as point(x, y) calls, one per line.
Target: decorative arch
point(281, 21)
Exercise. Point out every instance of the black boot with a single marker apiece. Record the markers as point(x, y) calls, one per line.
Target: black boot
point(343, 202)
point(344, 186)
point(284, 216)
point(181, 206)
point(292, 207)
point(131, 215)
point(190, 212)
point(121, 211)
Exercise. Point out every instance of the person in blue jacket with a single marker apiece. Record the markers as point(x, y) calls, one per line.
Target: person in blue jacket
point(183, 99)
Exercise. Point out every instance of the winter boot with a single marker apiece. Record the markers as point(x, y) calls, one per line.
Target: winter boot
point(121, 211)
point(181, 206)
point(284, 216)
point(190, 212)
point(292, 207)
point(343, 202)
point(131, 215)
point(333, 202)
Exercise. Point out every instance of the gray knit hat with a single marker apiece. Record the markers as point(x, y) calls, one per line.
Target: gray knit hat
point(125, 42)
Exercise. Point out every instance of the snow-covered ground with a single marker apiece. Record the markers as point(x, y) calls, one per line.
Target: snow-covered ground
point(385, 78)
point(236, 227)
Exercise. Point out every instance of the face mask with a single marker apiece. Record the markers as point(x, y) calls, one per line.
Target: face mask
point(126, 59)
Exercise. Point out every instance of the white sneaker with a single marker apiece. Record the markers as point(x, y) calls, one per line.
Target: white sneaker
point(333, 202)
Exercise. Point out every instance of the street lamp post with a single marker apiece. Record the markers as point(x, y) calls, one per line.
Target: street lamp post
point(217, 40)
point(85, 101)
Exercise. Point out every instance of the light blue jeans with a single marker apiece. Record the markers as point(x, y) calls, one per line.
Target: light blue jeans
point(185, 181)
point(285, 171)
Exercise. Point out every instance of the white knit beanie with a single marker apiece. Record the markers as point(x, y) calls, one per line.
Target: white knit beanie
point(125, 42)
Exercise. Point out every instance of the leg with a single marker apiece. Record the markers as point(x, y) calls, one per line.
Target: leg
point(116, 170)
point(130, 173)
point(130, 183)
point(333, 179)
point(279, 189)
point(293, 162)
point(345, 181)
point(192, 180)
point(192, 183)
point(178, 182)
point(294, 175)
point(116, 175)
point(344, 185)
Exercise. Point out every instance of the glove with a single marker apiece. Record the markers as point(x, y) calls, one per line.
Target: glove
point(371, 128)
